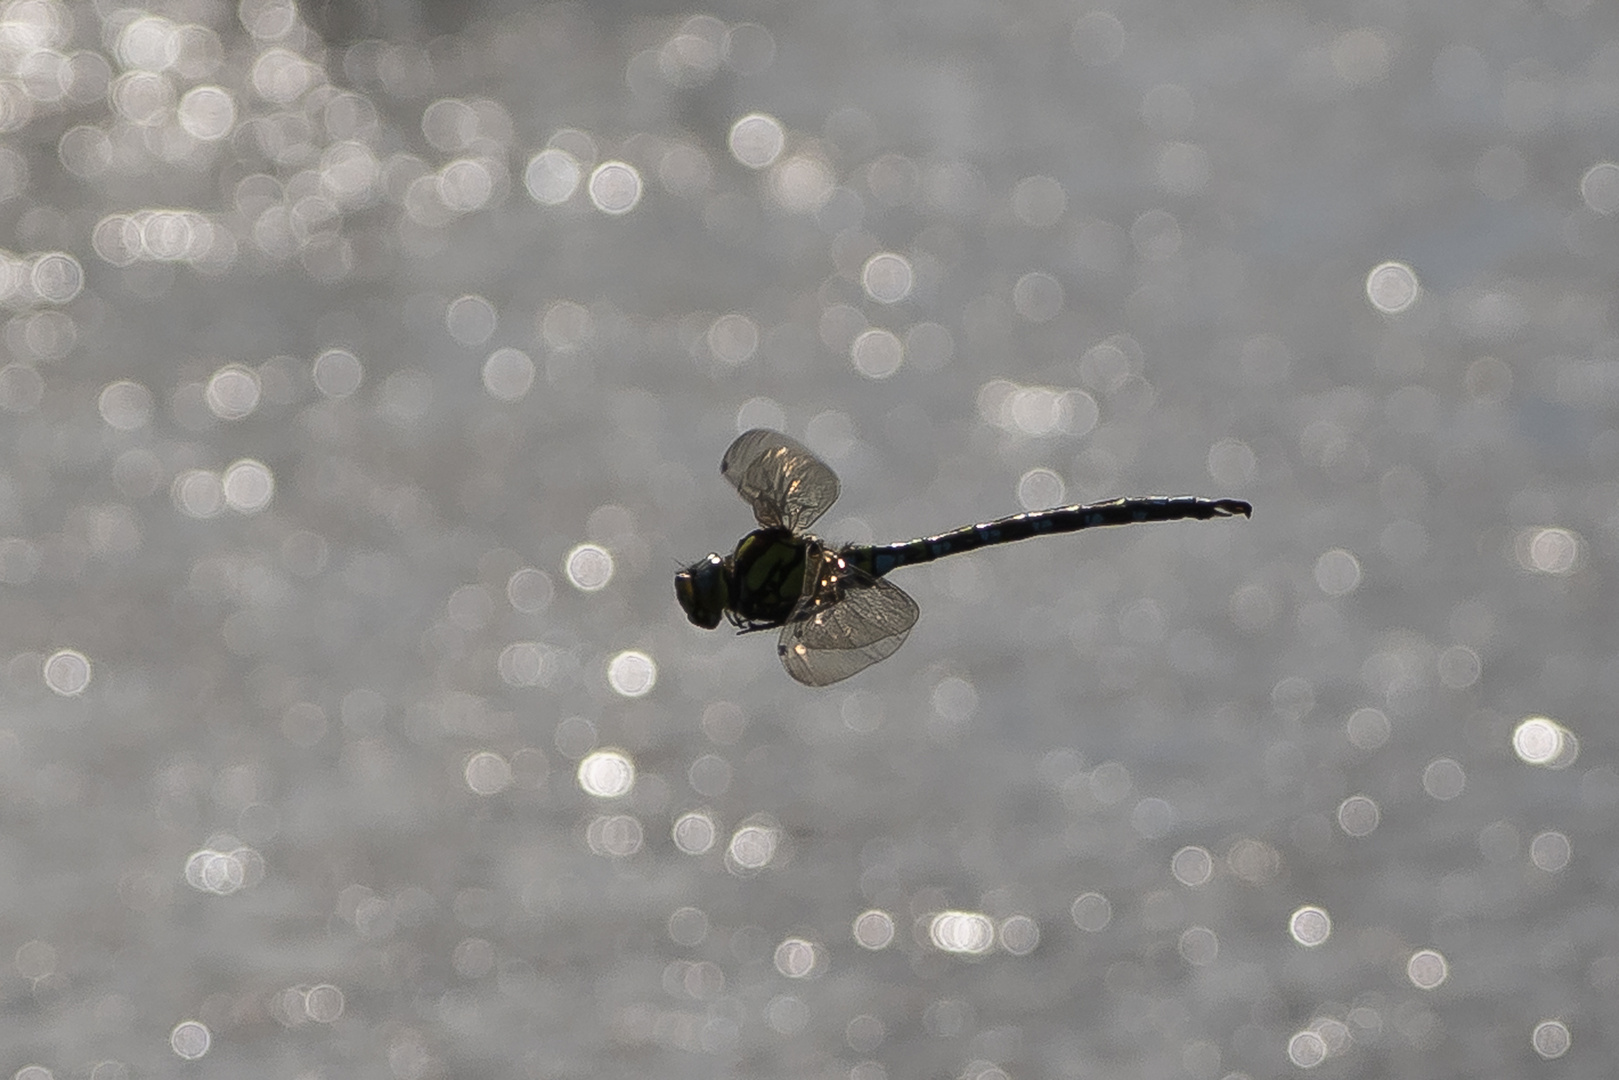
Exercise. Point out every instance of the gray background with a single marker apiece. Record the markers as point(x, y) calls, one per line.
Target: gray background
point(321, 794)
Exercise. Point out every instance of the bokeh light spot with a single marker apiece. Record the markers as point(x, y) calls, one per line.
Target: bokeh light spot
point(733, 338)
point(190, 1039)
point(1098, 38)
point(247, 486)
point(688, 926)
point(1368, 728)
point(207, 113)
point(607, 774)
point(1038, 297)
point(968, 933)
point(1540, 740)
point(337, 373)
point(873, 929)
point(1551, 1039)
point(1358, 815)
point(887, 277)
point(797, 958)
point(552, 176)
point(487, 773)
point(615, 836)
point(1550, 851)
point(529, 590)
point(877, 353)
point(1337, 572)
point(1599, 187)
point(1192, 866)
point(589, 567)
point(1091, 912)
point(1459, 667)
point(1427, 969)
point(1040, 488)
point(802, 183)
point(1548, 551)
point(198, 493)
point(1019, 935)
point(694, 833)
point(470, 319)
point(753, 846)
point(508, 374)
point(1310, 925)
point(67, 672)
point(632, 673)
point(756, 140)
point(615, 187)
point(1198, 946)
point(1039, 201)
point(1306, 1049)
point(233, 392)
point(56, 277)
point(1392, 287)
point(1444, 779)
point(125, 405)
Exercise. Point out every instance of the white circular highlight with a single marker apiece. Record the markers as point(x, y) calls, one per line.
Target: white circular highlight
point(1392, 287)
point(487, 773)
point(1540, 740)
point(337, 373)
point(607, 774)
point(589, 567)
point(508, 374)
point(752, 848)
point(887, 277)
point(1192, 866)
point(67, 672)
point(797, 958)
point(1310, 926)
point(1091, 912)
point(190, 1039)
point(873, 929)
point(248, 486)
point(1427, 969)
point(552, 176)
point(877, 353)
point(1551, 1039)
point(632, 673)
point(233, 392)
point(125, 405)
point(757, 140)
point(1359, 815)
point(694, 833)
point(967, 933)
point(615, 187)
point(1551, 851)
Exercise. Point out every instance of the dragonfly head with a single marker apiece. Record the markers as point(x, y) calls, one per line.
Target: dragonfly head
point(704, 591)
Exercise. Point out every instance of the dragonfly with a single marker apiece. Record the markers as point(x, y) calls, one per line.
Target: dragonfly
point(837, 612)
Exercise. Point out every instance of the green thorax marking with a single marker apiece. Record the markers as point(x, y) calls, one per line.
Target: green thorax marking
point(768, 575)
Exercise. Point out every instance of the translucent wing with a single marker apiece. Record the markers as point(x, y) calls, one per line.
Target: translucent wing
point(784, 483)
point(847, 621)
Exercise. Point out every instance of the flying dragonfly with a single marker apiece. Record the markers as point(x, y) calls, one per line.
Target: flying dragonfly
point(837, 613)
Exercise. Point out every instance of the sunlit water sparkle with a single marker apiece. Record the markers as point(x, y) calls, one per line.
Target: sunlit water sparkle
point(365, 371)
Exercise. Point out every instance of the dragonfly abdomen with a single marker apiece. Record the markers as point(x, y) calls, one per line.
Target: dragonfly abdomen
point(881, 559)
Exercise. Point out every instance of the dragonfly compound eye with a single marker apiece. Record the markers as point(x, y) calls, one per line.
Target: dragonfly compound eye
point(703, 592)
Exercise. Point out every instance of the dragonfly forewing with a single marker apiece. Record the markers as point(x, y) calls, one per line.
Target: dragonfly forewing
point(847, 621)
point(787, 486)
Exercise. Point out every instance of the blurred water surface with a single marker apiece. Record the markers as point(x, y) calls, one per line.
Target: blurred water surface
point(364, 375)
